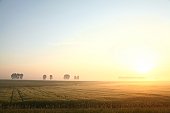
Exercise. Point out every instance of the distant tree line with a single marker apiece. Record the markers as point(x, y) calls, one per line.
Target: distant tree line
point(45, 77)
point(20, 76)
point(66, 77)
point(76, 77)
point(17, 76)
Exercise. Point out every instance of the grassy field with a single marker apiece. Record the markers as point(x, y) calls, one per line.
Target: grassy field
point(22, 96)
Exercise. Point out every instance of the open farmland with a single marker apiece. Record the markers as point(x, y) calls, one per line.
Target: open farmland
point(23, 96)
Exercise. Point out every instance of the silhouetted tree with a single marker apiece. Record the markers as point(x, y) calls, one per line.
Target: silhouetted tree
point(66, 76)
point(51, 77)
point(13, 76)
point(21, 76)
point(17, 76)
point(76, 77)
point(44, 77)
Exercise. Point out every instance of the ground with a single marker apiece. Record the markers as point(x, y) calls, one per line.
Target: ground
point(26, 96)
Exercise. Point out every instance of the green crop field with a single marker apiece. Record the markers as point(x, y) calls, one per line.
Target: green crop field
point(24, 96)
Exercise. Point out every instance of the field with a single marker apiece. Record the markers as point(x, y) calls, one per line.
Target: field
point(24, 96)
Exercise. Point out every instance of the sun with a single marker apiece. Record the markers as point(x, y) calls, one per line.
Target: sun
point(139, 60)
point(143, 64)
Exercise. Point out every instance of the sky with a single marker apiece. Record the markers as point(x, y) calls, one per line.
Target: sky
point(94, 39)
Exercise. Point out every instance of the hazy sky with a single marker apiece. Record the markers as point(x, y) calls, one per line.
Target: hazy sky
point(95, 39)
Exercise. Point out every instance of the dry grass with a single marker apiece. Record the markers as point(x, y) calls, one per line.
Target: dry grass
point(81, 97)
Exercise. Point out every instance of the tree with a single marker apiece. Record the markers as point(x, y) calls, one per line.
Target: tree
point(13, 76)
point(17, 76)
point(66, 76)
point(76, 77)
point(51, 77)
point(21, 76)
point(44, 77)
